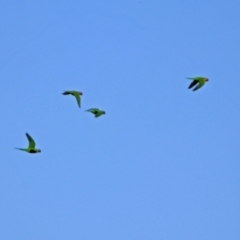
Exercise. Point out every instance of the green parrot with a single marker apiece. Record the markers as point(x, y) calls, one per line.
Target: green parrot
point(198, 80)
point(76, 95)
point(31, 147)
point(96, 112)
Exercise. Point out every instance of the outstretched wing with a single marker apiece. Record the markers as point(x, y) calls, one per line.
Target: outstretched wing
point(31, 141)
point(198, 86)
point(77, 96)
point(193, 83)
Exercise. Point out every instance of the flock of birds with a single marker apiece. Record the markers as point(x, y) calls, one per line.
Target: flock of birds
point(196, 81)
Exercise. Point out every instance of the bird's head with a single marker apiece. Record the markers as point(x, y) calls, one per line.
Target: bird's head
point(104, 112)
point(38, 150)
point(80, 93)
point(206, 80)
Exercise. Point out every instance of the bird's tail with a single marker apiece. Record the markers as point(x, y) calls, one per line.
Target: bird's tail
point(22, 149)
point(190, 78)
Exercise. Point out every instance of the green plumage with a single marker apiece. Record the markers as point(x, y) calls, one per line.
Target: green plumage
point(31, 146)
point(199, 81)
point(96, 112)
point(76, 94)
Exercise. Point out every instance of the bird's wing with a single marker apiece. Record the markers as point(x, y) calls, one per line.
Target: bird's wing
point(193, 83)
point(77, 96)
point(198, 86)
point(31, 141)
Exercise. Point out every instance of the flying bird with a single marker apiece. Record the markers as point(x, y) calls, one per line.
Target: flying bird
point(76, 94)
point(96, 112)
point(31, 147)
point(197, 80)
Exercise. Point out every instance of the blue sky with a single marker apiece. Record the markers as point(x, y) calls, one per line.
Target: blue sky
point(163, 163)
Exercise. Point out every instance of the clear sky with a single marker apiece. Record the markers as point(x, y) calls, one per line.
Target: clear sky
point(163, 163)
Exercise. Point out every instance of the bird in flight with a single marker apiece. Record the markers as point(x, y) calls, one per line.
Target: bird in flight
point(197, 80)
point(31, 147)
point(96, 112)
point(76, 94)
